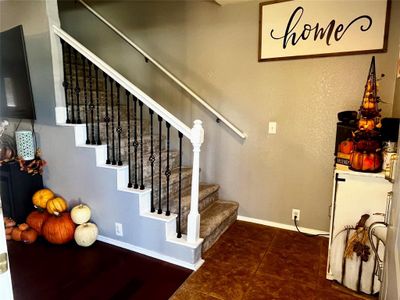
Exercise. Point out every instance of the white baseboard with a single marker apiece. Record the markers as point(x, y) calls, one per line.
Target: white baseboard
point(153, 254)
point(281, 225)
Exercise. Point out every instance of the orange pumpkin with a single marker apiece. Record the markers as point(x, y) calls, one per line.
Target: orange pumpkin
point(366, 124)
point(56, 206)
point(367, 162)
point(41, 197)
point(36, 220)
point(29, 236)
point(346, 147)
point(59, 229)
point(23, 226)
point(16, 234)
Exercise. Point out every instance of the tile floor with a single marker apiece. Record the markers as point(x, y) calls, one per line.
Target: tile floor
point(253, 262)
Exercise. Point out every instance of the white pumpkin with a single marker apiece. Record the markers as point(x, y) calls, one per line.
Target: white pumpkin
point(80, 214)
point(86, 234)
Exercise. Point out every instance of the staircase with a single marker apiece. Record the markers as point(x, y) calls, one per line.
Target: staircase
point(135, 136)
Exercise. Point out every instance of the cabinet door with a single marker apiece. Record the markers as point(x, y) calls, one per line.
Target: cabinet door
point(357, 195)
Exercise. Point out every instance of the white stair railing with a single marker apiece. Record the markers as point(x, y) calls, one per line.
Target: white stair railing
point(219, 117)
point(195, 134)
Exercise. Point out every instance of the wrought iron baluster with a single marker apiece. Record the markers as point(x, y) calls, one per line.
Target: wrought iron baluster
point(168, 171)
point(106, 118)
point(96, 71)
point(77, 89)
point(135, 142)
point(86, 100)
point(141, 145)
point(160, 119)
point(152, 159)
point(72, 87)
point(114, 162)
point(129, 140)
point(119, 128)
point(91, 104)
point(179, 230)
point(65, 82)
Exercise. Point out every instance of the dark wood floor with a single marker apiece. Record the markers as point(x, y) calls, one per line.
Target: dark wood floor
point(44, 271)
point(251, 262)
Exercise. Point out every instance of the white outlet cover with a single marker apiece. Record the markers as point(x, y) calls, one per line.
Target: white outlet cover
point(272, 127)
point(118, 229)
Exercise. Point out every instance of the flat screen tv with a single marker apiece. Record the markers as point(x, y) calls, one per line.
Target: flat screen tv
point(16, 99)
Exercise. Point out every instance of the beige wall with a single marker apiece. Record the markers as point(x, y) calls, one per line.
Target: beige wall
point(214, 50)
point(396, 101)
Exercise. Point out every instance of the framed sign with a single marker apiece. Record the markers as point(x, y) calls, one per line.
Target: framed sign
point(291, 29)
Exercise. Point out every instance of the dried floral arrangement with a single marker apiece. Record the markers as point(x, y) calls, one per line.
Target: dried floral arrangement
point(34, 166)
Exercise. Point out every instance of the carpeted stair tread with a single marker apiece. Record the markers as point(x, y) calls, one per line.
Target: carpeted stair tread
point(215, 220)
point(205, 190)
point(214, 215)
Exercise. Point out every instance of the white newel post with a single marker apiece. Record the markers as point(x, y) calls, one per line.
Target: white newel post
point(193, 233)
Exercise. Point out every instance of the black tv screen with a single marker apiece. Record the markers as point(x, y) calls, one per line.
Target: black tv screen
point(16, 99)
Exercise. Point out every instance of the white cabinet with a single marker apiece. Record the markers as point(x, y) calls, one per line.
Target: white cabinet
point(355, 194)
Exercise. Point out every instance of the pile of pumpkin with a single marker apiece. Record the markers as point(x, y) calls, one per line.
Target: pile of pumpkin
point(51, 220)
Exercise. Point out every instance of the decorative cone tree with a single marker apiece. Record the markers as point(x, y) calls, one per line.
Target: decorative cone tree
point(367, 156)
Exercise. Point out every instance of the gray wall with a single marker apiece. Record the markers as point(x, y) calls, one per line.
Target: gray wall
point(214, 50)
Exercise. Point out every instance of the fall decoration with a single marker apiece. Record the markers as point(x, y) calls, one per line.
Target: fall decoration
point(8, 222)
point(80, 214)
point(29, 235)
point(9, 225)
point(41, 197)
point(34, 166)
point(346, 146)
point(56, 206)
point(367, 155)
point(357, 242)
point(36, 220)
point(16, 234)
point(59, 229)
point(86, 234)
point(365, 161)
point(23, 226)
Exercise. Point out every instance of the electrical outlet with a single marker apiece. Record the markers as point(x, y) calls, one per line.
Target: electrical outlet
point(118, 229)
point(296, 213)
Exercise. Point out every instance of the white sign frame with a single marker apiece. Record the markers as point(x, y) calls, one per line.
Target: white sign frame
point(294, 29)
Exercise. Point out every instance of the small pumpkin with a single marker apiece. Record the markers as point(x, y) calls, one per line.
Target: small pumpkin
point(86, 234)
point(29, 235)
point(8, 222)
point(36, 220)
point(59, 229)
point(56, 206)
point(23, 226)
point(80, 214)
point(16, 234)
point(9, 230)
point(346, 146)
point(41, 197)
point(366, 124)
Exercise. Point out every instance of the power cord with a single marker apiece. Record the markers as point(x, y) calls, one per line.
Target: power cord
point(307, 234)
